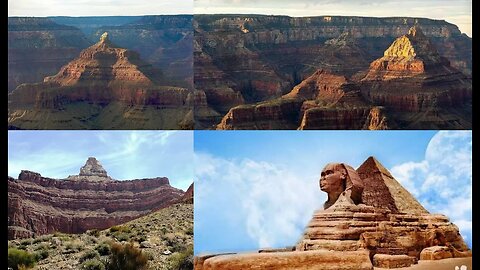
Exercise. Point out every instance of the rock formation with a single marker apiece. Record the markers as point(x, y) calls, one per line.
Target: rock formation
point(105, 87)
point(369, 220)
point(39, 47)
point(420, 88)
point(91, 200)
point(410, 87)
point(188, 196)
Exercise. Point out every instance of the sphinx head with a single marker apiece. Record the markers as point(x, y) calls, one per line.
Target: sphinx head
point(341, 179)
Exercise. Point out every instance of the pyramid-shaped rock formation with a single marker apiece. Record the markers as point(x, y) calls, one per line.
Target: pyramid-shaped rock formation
point(419, 85)
point(409, 55)
point(91, 200)
point(411, 87)
point(91, 171)
point(106, 87)
point(104, 63)
point(369, 220)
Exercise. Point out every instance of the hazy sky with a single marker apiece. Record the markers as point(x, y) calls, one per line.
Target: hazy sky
point(259, 189)
point(123, 154)
point(458, 12)
point(98, 7)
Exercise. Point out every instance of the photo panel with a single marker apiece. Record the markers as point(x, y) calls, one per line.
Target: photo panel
point(100, 199)
point(325, 199)
point(111, 65)
point(320, 64)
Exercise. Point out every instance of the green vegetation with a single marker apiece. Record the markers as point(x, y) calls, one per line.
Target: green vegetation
point(103, 249)
point(18, 259)
point(93, 264)
point(126, 257)
point(88, 255)
point(182, 260)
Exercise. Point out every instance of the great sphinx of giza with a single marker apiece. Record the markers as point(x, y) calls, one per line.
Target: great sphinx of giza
point(369, 220)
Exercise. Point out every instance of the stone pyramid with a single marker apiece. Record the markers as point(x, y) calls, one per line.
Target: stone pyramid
point(382, 190)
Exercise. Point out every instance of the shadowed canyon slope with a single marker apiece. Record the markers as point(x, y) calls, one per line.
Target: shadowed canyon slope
point(106, 87)
point(90, 200)
point(369, 220)
point(38, 47)
point(241, 60)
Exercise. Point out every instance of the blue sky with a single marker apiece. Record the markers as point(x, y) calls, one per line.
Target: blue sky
point(97, 7)
point(257, 189)
point(123, 154)
point(458, 12)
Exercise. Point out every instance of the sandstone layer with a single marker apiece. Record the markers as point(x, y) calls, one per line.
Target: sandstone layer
point(91, 200)
point(105, 87)
point(411, 87)
point(38, 47)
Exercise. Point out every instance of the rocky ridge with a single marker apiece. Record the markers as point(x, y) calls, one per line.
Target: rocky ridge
point(410, 87)
point(38, 47)
point(91, 200)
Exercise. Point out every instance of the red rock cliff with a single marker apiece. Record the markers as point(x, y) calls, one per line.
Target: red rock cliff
point(39, 205)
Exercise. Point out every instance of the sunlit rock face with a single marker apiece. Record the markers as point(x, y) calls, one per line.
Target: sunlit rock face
point(91, 200)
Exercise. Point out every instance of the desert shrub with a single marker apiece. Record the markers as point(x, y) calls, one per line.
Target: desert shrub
point(103, 249)
point(120, 228)
point(73, 246)
point(182, 260)
point(26, 242)
point(175, 244)
point(122, 236)
point(88, 255)
point(94, 232)
point(41, 254)
point(189, 231)
point(126, 257)
point(93, 264)
point(18, 258)
point(43, 238)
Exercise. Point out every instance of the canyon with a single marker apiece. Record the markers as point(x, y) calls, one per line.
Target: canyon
point(40, 205)
point(247, 65)
point(105, 87)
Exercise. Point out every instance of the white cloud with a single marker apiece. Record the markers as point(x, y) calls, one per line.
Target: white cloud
point(124, 154)
point(272, 203)
point(443, 180)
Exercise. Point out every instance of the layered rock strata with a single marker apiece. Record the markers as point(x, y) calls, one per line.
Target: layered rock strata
point(369, 220)
point(91, 200)
point(264, 57)
point(410, 87)
point(105, 87)
point(38, 47)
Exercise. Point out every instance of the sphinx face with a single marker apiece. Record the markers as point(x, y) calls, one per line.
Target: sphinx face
point(331, 179)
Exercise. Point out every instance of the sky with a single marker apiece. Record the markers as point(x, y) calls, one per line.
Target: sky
point(125, 155)
point(258, 189)
point(458, 12)
point(98, 7)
